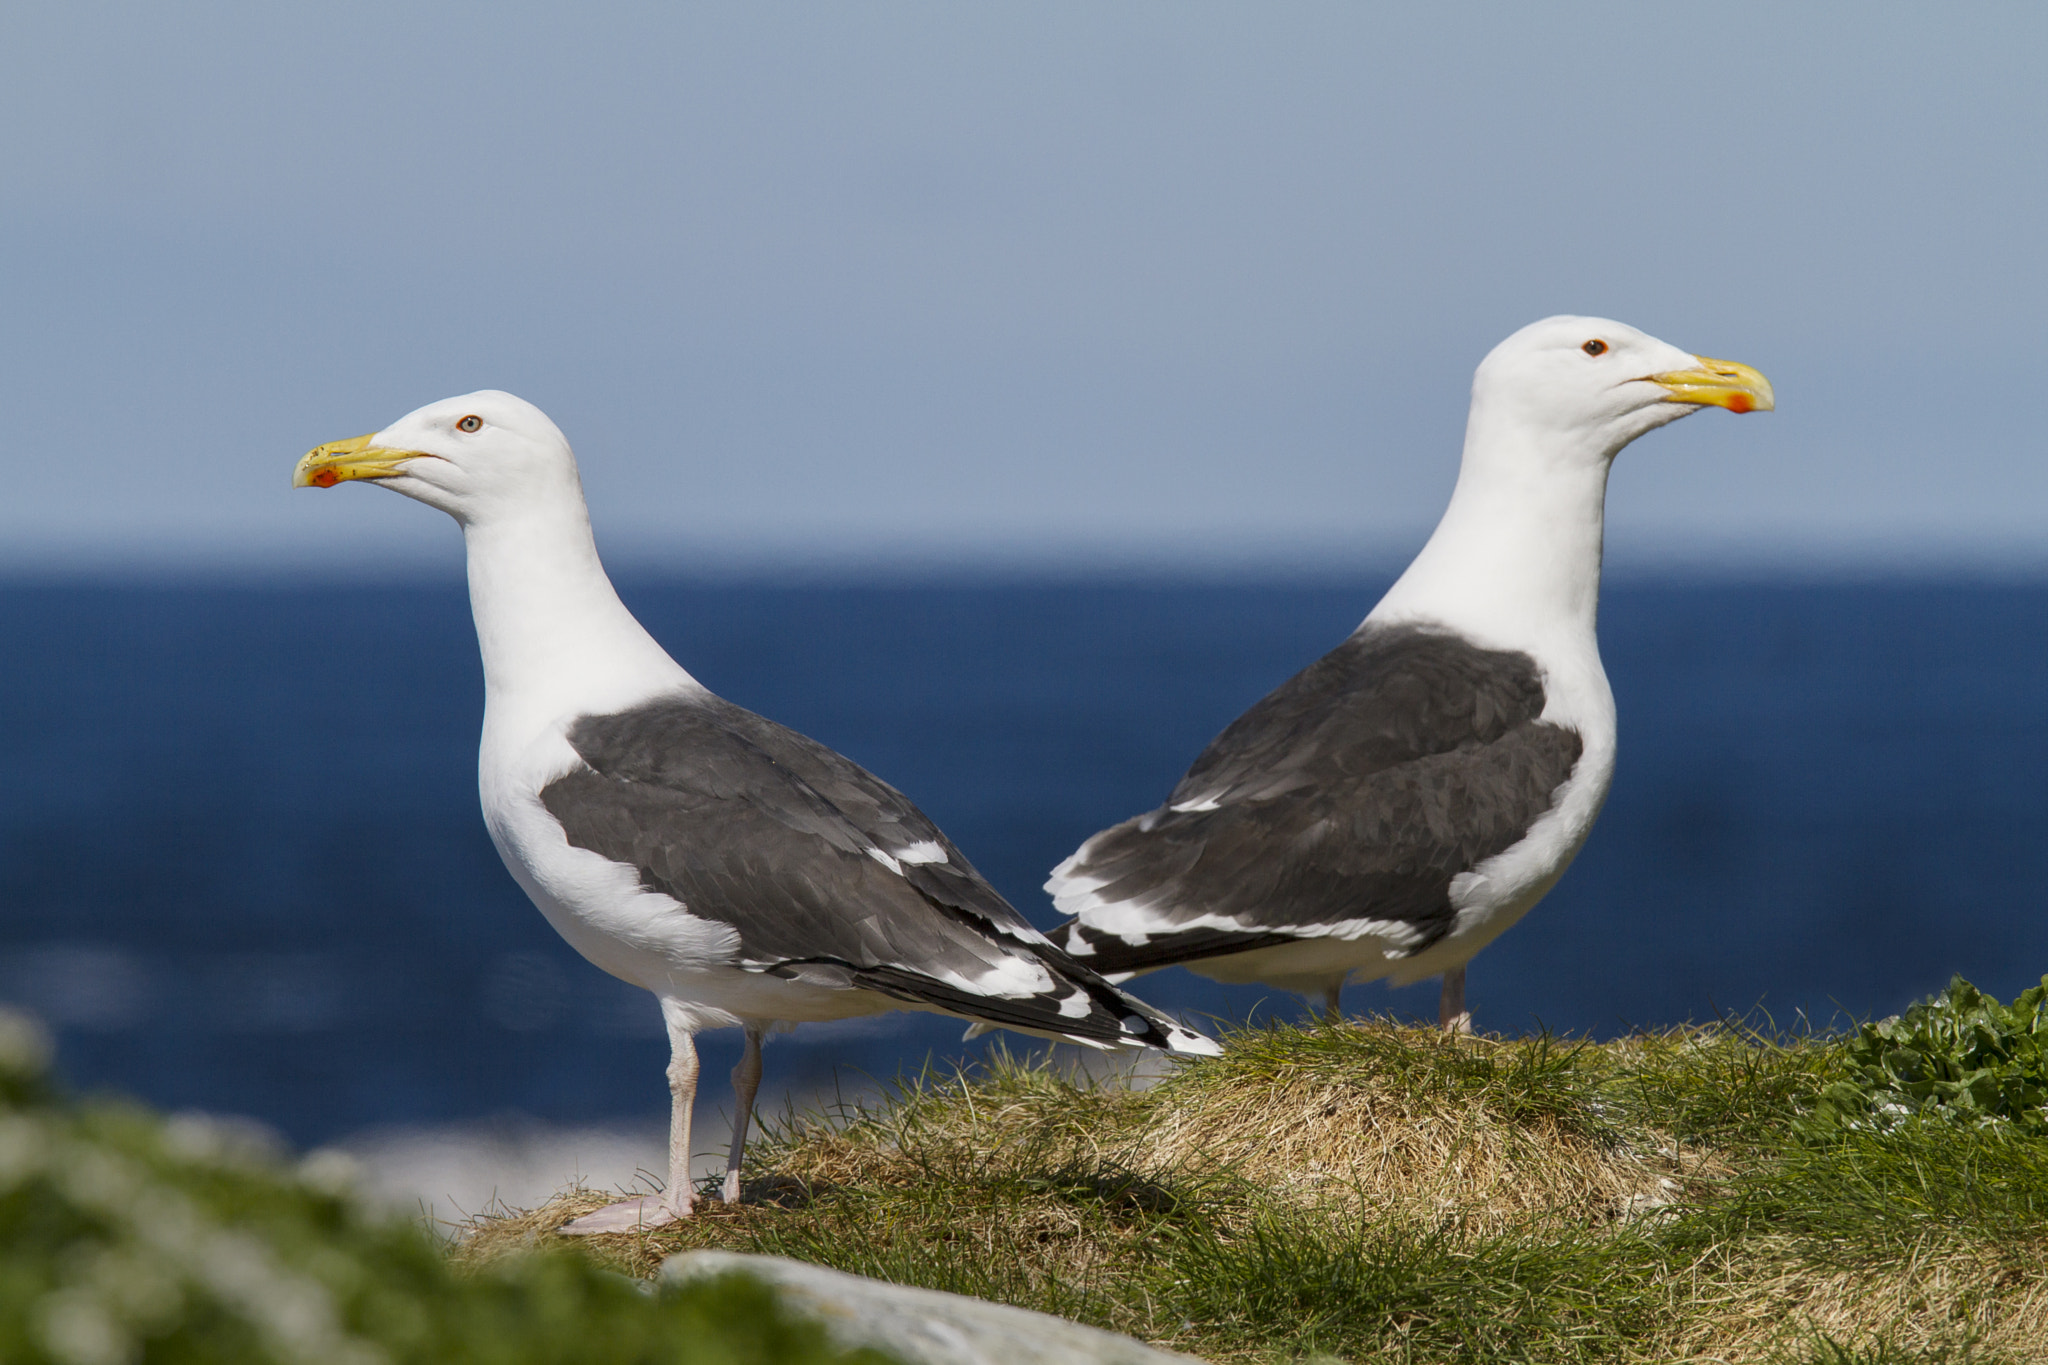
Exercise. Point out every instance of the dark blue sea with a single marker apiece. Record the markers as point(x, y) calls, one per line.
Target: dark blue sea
point(242, 869)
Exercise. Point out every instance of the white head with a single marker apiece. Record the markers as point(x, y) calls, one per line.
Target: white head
point(554, 635)
point(1585, 387)
point(485, 456)
point(1516, 559)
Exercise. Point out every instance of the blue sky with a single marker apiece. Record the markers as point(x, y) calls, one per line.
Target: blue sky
point(1174, 284)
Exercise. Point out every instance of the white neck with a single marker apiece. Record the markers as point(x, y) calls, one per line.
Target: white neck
point(1515, 562)
point(556, 639)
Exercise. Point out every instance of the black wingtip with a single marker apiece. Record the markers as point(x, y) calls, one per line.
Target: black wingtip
point(1182, 1041)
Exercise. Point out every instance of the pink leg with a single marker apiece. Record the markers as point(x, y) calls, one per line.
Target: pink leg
point(1451, 1014)
point(746, 1083)
point(649, 1211)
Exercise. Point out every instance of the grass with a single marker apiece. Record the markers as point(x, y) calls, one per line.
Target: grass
point(1384, 1194)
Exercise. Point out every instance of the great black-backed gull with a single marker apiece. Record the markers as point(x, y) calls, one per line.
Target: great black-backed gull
point(1392, 808)
point(744, 874)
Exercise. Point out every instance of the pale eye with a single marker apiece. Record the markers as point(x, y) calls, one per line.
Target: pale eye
point(473, 423)
point(1595, 347)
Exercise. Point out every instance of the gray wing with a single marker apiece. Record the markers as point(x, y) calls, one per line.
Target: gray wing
point(1359, 788)
point(825, 871)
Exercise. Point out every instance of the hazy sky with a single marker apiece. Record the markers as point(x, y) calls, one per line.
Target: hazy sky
point(1169, 283)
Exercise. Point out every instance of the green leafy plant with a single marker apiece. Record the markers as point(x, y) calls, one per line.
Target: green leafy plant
point(1960, 1056)
point(127, 1238)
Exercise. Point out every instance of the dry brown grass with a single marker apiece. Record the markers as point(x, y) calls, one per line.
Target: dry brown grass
point(1770, 1301)
point(1361, 1139)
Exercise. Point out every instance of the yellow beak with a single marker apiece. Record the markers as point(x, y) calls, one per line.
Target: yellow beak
point(1721, 383)
point(355, 458)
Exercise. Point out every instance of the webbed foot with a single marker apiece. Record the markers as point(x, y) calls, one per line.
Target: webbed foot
point(628, 1215)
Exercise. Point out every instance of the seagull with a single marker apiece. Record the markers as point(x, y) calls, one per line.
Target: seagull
point(744, 874)
point(1395, 806)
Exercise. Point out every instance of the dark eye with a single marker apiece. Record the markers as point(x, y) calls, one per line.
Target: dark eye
point(1590, 348)
point(476, 423)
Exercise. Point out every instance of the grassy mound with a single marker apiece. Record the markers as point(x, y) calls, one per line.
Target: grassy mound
point(1387, 1194)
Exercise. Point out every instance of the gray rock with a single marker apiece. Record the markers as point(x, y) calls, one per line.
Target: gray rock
point(923, 1326)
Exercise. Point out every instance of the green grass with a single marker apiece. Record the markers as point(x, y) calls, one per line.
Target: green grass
point(1373, 1193)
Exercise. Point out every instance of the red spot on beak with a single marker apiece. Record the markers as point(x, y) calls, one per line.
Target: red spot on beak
point(326, 478)
point(1739, 402)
